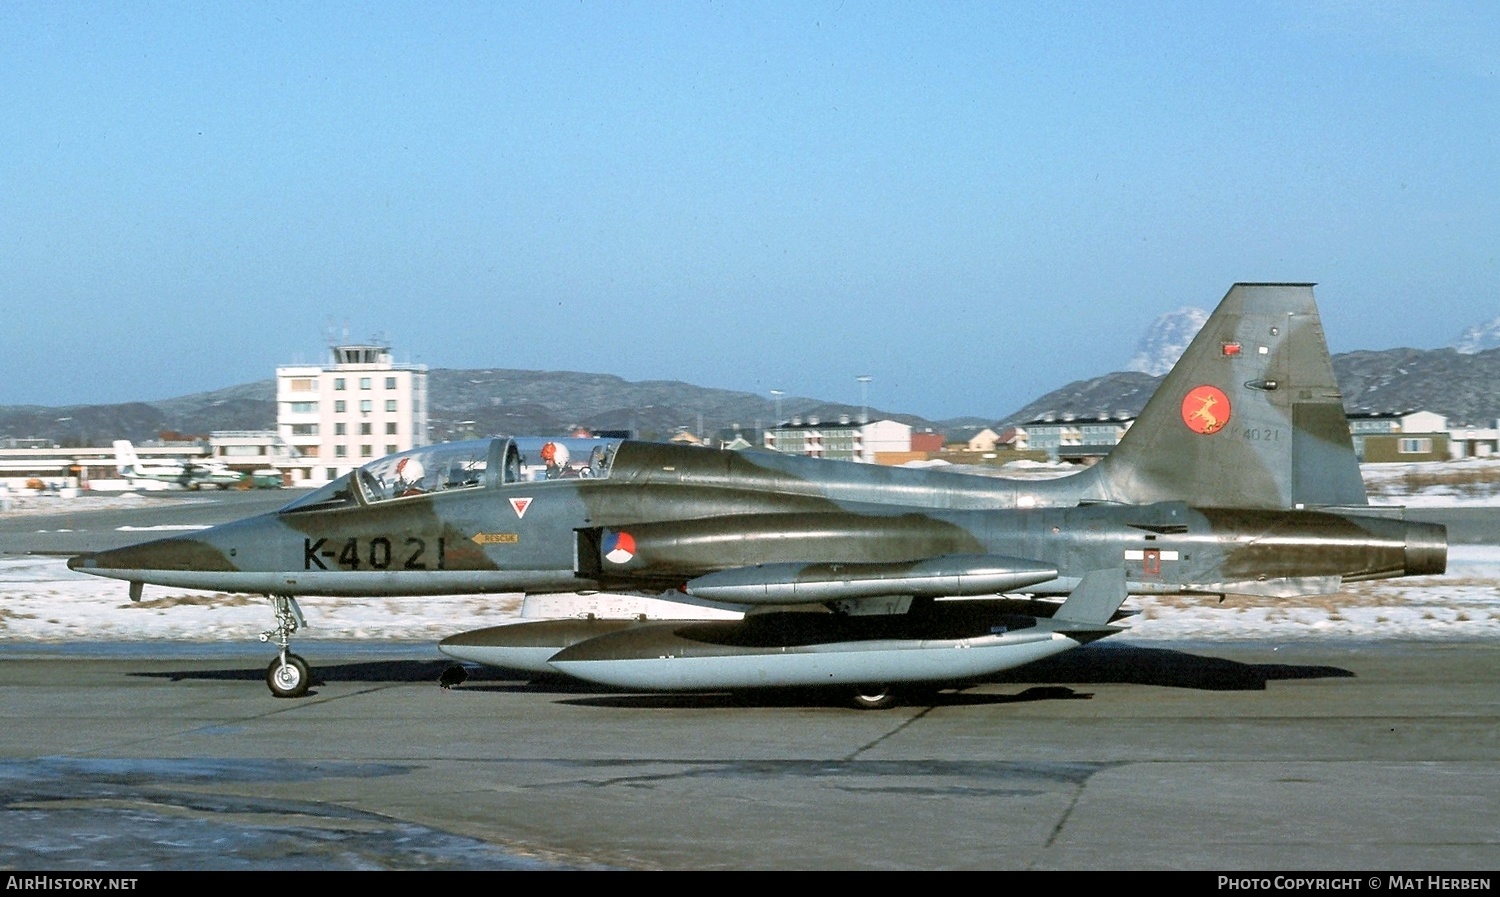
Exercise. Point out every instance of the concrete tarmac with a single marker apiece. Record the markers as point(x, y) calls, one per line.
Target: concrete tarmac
point(101, 521)
point(1309, 756)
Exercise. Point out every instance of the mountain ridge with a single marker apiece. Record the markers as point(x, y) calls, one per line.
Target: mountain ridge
point(1465, 387)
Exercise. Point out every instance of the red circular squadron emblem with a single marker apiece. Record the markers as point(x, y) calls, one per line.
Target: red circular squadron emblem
point(1205, 409)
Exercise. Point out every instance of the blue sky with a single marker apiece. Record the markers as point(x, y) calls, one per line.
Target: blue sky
point(973, 203)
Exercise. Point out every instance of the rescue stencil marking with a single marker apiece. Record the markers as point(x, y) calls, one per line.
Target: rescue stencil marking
point(619, 547)
point(497, 538)
point(1205, 409)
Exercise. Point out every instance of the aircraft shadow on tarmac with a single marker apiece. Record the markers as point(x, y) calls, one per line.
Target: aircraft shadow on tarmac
point(1113, 664)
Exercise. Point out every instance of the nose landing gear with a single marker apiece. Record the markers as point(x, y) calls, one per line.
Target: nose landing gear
point(288, 675)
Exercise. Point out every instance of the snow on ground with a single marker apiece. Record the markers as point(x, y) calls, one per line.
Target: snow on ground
point(42, 600)
point(28, 503)
point(1427, 484)
point(1434, 484)
point(1462, 604)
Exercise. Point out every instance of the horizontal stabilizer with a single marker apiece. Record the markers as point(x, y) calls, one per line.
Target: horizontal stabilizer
point(1095, 600)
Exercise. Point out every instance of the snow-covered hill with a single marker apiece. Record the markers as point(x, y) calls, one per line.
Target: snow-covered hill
point(1165, 341)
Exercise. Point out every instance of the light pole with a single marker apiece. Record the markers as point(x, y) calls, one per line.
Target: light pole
point(864, 409)
point(769, 439)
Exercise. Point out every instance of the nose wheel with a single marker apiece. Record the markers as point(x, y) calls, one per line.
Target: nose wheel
point(288, 675)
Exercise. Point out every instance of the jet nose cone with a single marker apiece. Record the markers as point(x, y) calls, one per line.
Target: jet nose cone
point(192, 554)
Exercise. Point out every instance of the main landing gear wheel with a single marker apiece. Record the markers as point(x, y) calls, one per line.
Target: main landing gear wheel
point(288, 676)
point(873, 697)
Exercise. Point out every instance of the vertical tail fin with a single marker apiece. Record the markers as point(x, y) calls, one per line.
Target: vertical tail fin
point(1249, 417)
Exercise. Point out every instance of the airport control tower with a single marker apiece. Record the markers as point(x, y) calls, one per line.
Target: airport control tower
point(359, 406)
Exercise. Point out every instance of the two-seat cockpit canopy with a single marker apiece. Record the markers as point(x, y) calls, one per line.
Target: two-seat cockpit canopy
point(472, 464)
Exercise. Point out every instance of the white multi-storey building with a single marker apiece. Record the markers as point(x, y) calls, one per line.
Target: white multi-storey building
point(341, 415)
point(842, 441)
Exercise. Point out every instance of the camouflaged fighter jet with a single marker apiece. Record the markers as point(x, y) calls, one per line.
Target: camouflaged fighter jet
point(1238, 477)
